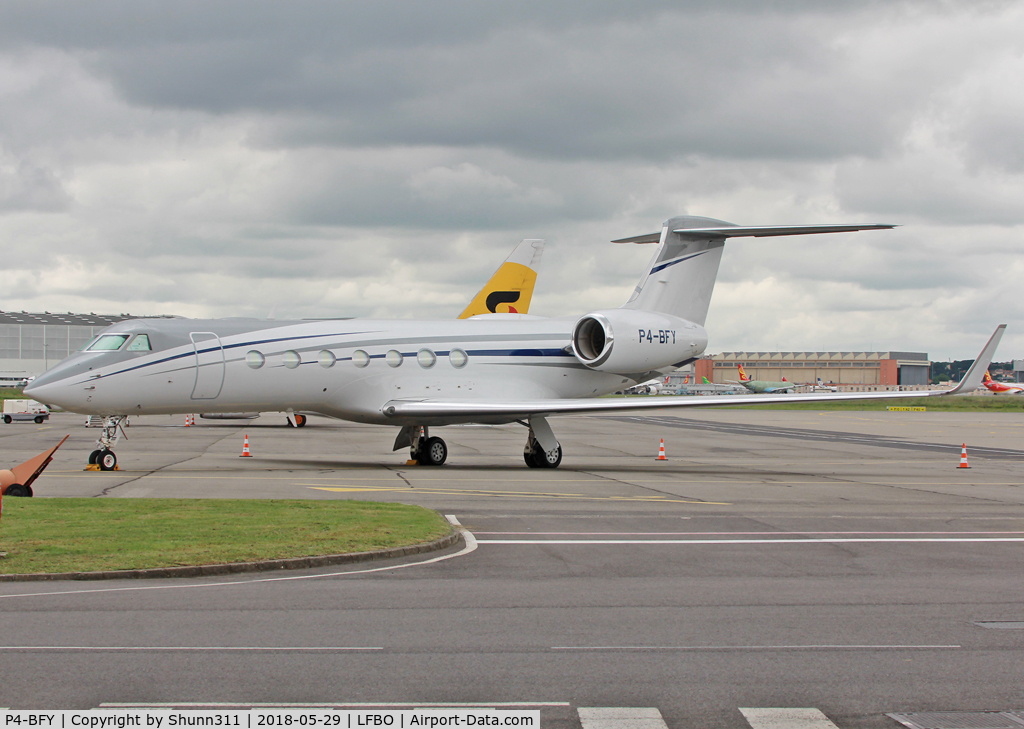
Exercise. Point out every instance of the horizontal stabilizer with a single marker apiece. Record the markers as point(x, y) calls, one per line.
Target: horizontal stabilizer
point(761, 231)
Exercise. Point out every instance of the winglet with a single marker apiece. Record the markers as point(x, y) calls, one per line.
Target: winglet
point(972, 380)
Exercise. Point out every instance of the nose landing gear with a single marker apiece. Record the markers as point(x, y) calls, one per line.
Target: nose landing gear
point(103, 458)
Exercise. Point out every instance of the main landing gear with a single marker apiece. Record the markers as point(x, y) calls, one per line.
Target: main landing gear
point(429, 451)
point(542, 450)
point(103, 458)
point(423, 449)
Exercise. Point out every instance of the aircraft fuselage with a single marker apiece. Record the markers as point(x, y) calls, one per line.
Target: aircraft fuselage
point(341, 368)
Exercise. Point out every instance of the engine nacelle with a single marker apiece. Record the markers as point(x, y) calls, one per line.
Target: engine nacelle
point(627, 341)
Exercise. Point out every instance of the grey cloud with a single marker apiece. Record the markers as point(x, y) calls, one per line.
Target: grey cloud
point(25, 187)
point(599, 81)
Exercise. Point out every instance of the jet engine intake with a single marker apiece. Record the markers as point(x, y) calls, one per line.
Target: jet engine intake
point(628, 341)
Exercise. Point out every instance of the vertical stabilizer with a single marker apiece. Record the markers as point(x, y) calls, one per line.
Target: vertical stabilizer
point(681, 275)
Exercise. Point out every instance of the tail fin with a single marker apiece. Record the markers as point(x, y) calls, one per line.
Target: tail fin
point(511, 286)
point(987, 377)
point(743, 375)
point(681, 275)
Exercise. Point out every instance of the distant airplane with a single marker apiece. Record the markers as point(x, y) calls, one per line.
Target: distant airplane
point(1001, 387)
point(511, 287)
point(822, 387)
point(763, 385)
point(414, 375)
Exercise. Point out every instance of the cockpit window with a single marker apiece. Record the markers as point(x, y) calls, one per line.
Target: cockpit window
point(140, 344)
point(108, 343)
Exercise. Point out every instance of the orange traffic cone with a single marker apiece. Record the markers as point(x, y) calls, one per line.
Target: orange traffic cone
point(188, 420)
point(661, 451)
point(245, 448)
point(963, 458)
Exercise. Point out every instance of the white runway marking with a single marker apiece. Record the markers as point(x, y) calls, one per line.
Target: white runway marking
point(734, 534)
point(336, 705)
point(470, 547)
point(624, 717)
point(713, 648)
point(183, 648)
point(787, 719)
point(833, 540)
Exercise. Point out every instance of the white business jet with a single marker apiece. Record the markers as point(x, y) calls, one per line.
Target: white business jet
point(415, 375)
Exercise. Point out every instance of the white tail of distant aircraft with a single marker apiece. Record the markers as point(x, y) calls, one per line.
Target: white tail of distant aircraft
point(496, 368)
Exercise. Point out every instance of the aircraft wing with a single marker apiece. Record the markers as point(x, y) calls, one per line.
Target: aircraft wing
point(495, 410)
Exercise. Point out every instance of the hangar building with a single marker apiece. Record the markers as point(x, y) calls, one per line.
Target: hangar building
point(853, 369)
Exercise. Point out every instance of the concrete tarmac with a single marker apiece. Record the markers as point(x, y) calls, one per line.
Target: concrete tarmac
point(777, 559)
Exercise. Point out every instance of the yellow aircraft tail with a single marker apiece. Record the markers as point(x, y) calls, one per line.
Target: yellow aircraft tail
point(511, 287)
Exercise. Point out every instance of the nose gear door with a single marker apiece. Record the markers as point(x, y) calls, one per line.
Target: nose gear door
point(209, 365)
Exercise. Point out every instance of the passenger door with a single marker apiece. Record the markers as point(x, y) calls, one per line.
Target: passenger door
point(209, 365)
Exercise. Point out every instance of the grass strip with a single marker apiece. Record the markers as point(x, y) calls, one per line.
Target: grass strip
point(88, 535)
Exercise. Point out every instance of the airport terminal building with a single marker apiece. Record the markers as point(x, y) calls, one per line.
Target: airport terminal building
point(849, 370)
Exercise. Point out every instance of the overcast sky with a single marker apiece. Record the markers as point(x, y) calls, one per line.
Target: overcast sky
point(314, 159)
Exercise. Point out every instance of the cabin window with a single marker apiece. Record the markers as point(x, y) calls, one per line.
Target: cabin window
point(360, 358)
point(140, 344)
point(393, 358)
point(327, 358)
point(426, 358)
point(458, 358)
point(255, 359)
point(108, 342)
point(292, 359)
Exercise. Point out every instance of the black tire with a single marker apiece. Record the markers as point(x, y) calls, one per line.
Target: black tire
point(300, 420)
point(8, 419)
point(531, 459)
point(16, 489)
point(94, 457)
point(107, 460)
point(38, 419)
point(435, 452)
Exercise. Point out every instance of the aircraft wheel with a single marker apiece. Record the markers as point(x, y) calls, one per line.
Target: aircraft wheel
point(435, 452)
point(16, 489)
point(107, 460)
point(531, 459)
point(300, 420)
point(551, 459)
point(94, 457)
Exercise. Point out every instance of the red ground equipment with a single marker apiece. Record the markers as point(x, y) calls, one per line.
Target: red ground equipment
point(18, 480)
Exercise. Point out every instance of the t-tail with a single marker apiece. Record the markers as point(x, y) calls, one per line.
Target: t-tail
point(661, 327)
point(681, 275)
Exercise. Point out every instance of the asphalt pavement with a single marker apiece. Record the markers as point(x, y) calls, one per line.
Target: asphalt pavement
point(831, 561)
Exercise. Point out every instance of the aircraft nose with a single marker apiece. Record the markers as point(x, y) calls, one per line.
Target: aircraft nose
point(47, 387)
